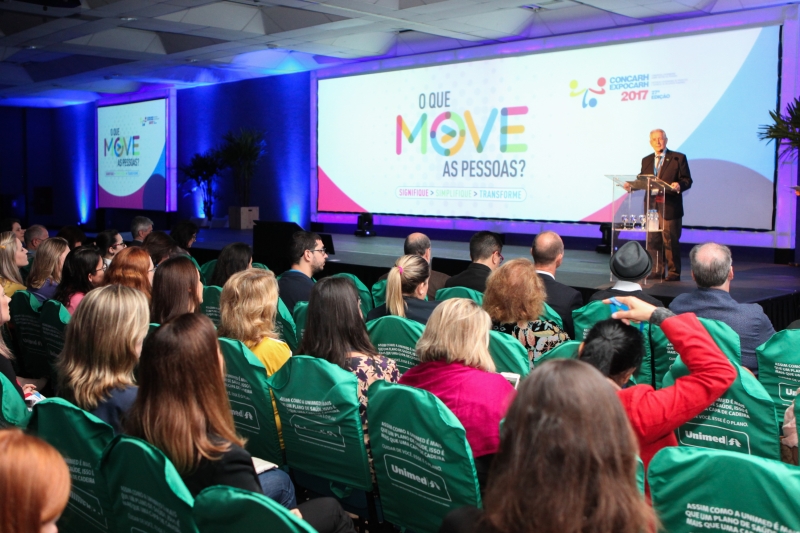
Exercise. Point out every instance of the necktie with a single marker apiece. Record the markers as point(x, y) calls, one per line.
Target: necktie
point(658, 164)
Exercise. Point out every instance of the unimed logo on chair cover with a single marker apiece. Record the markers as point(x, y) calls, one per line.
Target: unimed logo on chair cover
point(704, 435)
point(416, 478)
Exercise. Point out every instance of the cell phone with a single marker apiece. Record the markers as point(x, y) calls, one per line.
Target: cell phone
point(512, 378)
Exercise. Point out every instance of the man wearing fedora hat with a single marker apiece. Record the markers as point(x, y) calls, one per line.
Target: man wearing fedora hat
point(631, 264)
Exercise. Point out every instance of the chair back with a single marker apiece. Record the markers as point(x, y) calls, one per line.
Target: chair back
point(299, 316)
point(262, 266)
point(696, 490)
point(319, 410)
point(460, 292)
point(565, 350)
point(34, 359)
point(779, 368)
point(422, 459)
point(508, 354)
point(363, 292)
point(194, 262)
point(54, 317)
point(13, 411)
point(251, 404)
point(81, 438)
point(396, 337)
point(210, 306)
point(286, 327)
point(548, 313)
point(743, 419)
point(207, 270)
point(222, 509)
point(379, 293)
point(664, 354)
point(147, 494)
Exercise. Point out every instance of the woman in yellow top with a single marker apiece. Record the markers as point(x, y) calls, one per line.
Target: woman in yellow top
point(13, 256)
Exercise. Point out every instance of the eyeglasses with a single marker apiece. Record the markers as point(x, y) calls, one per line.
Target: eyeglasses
point(153, 269)
point(501, 256)
point(118, 244)
point(323, 250)
point(104, 267)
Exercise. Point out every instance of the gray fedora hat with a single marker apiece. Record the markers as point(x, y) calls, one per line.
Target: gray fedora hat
point(631, 262)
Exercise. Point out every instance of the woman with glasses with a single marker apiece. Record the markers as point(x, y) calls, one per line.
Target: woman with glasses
point(184, 233)
point(406, 289)
point(110, 244)
point(83, 271)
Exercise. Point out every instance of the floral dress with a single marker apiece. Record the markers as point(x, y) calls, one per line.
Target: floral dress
point(538, 338)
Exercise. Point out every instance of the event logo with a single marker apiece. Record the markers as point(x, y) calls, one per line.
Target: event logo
point(120, 146)
point(574, 92)
point(149, 120)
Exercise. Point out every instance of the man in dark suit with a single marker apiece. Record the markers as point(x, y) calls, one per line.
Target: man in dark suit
point(420, 244)
point(672, 168)
point(548, 253)
point(485, 250)
point(141, 227)
point(631, 265)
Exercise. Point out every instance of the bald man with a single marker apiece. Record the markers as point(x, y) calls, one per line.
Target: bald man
point(547, 250)
point(420, 244)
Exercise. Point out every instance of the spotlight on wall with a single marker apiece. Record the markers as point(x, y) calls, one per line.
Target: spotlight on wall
point(364, 228)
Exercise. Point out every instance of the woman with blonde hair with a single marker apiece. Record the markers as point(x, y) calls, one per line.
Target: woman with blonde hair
point(6, 368)
point(34, 484)
point(456, 368)
point(46, 270)
point(13, 256)
point(514, 299)
point(133, 268)
point(248, 307)
point(102, 346)
point(406, 289)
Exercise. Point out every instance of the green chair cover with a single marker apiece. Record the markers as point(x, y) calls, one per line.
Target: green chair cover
point(223, 509)
point(548, 313)
point(55, 318)
point(299, 315)
point(743, 419)
point(34, 360)
point(779, 368)
point(251, 404)
point(262, 266)
point(318, 405)
point(14, 412)
point(81, 438)
point(286, 327)
point(422, 459)
point(26, 270)
point(202, 278)
point(147, 494)
point(363, 292)
point(640, 474)
point(508, 354)
point(459, 292)
point(664, 354)
point(210, 306)
point(396, 337)
point(379, 293)
point(207, 270)
point(695, 490)
point(565, 350)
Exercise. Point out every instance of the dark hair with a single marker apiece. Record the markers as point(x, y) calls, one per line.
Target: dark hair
point(334, 327)
point(8, 223)
point(234, 258)
point(183, 231)
point(73, 235)
point(105, 240)
point(613, 348)
point(416, 244)
point(161, 246)
point(483, 244)
point(302, 241)
point(79, 264)
point(567, 458)
point(174, 290)
point(546, 248)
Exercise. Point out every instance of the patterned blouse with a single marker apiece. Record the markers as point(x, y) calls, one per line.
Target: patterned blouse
point(538, 338)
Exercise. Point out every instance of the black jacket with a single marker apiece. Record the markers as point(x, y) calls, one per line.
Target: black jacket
point(564, 300)
point(474, 277)
point(674, 169)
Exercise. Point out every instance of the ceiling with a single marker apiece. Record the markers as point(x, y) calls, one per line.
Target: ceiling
point(59, 56)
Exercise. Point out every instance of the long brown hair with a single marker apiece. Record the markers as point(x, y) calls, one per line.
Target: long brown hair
point(34, 482)
point(405, 276)
point(514, 293)
point(47, 264)
point(174, 289)
point(567, 458)
point(182, 407)
point(130, 268)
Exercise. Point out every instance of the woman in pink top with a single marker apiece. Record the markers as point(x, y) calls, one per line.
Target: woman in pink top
point(83, 270)
point(456, 368)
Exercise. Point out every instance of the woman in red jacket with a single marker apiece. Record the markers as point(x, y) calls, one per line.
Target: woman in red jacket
point(617, 351)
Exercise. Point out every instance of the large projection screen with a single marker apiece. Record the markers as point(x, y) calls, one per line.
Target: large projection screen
point(132, 155)
point(530, 137)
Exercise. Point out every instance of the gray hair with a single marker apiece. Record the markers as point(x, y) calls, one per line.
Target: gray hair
point(712, 266)
point(138, 224)
point(664, 133)
point(416, 244)
point(37, 231)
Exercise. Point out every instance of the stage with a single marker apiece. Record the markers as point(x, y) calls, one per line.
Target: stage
point(775, 287)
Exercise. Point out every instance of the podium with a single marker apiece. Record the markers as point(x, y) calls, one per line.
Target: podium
point(638, 214)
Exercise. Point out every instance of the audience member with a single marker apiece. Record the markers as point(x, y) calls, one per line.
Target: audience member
point(712, 271)
point(177, 290)
point(133, 268)
point(617, 351)
point(566, 462)
point(485, 251)
point(406, 288)
point(73, 235)
point(547, 251)
point(101, 349)
point(109, 242)
point(33, 238)
point(456, 367)
point(420, 244)
point(161, 247)
point(184, 233)
point(335, 331)
point(46, 270)
point(13, 256)
point(631, 265)
point(233, 258)
point(14, 226)
point(308, 258)
point(6, 367)
point(34, 484)
point(83, 271)
point(514, 299)
point(248, 307)
point(140, 229)
point(181, 376)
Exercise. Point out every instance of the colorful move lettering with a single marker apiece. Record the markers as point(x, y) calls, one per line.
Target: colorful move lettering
point(120, 146)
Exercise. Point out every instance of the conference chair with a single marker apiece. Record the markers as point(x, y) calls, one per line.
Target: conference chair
point(364, 296)
point(459, 292)
point(251, 404)
point(743, 419)
point(423, 462)
point(210, 306)
point(81, 438)
point(286, 326)
point(194, 262)
point(379, 293)
point(34, 360)
point(396, 337)
point(54, 317)
point(13, 411)
point(565, 350)
point(779, 368)
point(147, 494)
point(548, 313)
point(222, 509)
point(663, 353)
point(299, 316)
point(508, 354)
point(695, 489)
point(207, 270)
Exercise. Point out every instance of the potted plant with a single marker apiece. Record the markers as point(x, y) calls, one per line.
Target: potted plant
point(203, 171)
point(784, 130)
point(241, 152)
